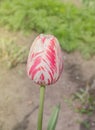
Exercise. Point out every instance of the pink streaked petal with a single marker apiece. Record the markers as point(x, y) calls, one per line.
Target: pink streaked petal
point(52, 42)
point(51, 59)
point(49, 82)
point(43, 39)
point(36, 54)
point(33, 67)
point(35, 72)
point(50, 75)
point(42, 77)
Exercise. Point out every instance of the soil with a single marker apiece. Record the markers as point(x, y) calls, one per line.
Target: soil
point(19, 96)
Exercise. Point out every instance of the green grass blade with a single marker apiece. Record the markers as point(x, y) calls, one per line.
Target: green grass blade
point(54, 118)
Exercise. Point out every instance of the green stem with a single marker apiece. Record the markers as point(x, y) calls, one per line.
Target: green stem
point(41, 107)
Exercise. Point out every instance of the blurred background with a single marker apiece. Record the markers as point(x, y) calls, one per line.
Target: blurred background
point(73, 23)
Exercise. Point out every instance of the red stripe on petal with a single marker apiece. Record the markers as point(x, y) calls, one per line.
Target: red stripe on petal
point(35, 72)
point(35, 54)
point(52, 42)
point(42, 77)
point(43, 39)
point(51, 59)
point(49, 82)
point(33, 67)
point(51, 75)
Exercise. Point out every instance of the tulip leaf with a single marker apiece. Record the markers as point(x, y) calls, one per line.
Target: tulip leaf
point(54, 118)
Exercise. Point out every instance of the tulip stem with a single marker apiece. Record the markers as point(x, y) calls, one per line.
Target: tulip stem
point(41, 107)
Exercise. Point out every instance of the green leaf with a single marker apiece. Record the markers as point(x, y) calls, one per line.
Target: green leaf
point(54, 118)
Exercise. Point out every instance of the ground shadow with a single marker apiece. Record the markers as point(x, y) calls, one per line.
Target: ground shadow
point(23, 125)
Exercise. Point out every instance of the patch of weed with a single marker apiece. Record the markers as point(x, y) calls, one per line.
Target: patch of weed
point(86, 101)
point(82, 101)
point(10, 53)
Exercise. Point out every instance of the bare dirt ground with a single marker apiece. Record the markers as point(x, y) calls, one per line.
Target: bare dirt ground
point(19, 97)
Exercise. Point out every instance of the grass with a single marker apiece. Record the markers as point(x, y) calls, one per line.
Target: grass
point(82, 101)
point(10, 53)
point(73, 26)
point(86, 101)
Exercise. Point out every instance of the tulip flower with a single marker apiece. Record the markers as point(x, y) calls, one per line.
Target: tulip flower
point(44, 65)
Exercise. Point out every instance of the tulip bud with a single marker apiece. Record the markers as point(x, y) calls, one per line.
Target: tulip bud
point(45, 63)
